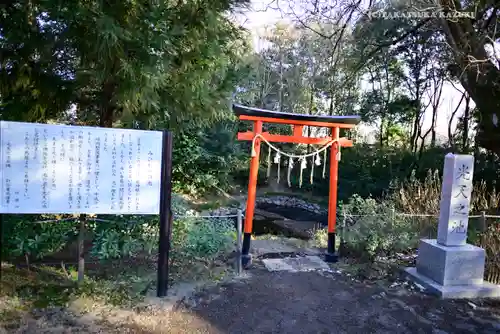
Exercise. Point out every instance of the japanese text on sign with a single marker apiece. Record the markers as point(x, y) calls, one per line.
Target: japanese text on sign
point(72, 169)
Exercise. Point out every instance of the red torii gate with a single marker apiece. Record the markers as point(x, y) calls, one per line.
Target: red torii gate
point(298, 121)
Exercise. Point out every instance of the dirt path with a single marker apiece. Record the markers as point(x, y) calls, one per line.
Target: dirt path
point(282, 302)
point(312, 302)
point(320, 301)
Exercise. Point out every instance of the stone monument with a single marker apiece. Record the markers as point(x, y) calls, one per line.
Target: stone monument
point(449, 266)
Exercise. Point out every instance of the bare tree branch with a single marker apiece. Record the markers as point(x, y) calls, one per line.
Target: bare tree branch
point(380, 46)
point(450, 134)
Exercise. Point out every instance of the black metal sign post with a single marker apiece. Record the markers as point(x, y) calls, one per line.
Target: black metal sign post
point(1, 214)
point(165, 215)
point(81, 248)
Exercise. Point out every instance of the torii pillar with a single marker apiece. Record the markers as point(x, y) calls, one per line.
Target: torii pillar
point(298, 121)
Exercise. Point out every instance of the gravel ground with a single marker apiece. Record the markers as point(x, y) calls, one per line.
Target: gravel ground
point(281, 302)
point(311, 302)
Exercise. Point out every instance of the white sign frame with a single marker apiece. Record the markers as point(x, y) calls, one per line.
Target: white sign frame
point(79, 169)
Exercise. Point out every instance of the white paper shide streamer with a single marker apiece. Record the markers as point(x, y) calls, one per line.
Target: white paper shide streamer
point(315, 160)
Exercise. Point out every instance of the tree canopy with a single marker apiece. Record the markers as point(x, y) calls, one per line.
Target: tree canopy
point(132, 62)
point(461, 37)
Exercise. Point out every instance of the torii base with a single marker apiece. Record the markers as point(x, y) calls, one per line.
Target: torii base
point(246, 261)
point(331, 255)
point(246, 257)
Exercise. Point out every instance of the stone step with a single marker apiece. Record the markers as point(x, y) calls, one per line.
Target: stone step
point(261, 247)
point(266, 215)
point(296, 264)
point(300, 229)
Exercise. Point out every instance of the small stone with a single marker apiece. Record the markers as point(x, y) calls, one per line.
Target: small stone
point(438, 331)
point(474, 306)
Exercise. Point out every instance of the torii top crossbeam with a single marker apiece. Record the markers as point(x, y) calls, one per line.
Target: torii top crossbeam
point(298, 121)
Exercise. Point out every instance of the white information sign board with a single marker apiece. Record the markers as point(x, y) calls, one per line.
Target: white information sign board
point(455, 199)
point(78, 169)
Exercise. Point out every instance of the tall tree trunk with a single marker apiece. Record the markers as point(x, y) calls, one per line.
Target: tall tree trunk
point(381, 135)
point(107, 108)
point(311, 104)
point(437, 83)
point(422, 144)
point(450, 133)
point(281, 81)
point(416, 129)
point(387, 101)
point(478, 75)
point(465, 125)
point(332, 66)
point(415, 132)
point(433, 127)
point(261, 92)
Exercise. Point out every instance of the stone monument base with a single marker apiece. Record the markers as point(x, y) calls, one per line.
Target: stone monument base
point(484, 290)
point(452, 271)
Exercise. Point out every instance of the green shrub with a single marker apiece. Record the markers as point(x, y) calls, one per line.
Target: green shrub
point(206, 157)
point(373, 228)
point(191, 236)
point(117, 236)
point(125, 236)
point(208, 238)
point(25, 235)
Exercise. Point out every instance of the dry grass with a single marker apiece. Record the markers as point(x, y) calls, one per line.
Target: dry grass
point(416, 197)
point(490, 241)
point(423, 197)
point(113, 299)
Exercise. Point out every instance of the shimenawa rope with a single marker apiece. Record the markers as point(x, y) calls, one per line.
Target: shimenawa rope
point(291, 156)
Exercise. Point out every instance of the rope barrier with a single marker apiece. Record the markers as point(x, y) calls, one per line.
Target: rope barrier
point(221, 216)
point(415, 215)
point(418, 215)
point(235, 216)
